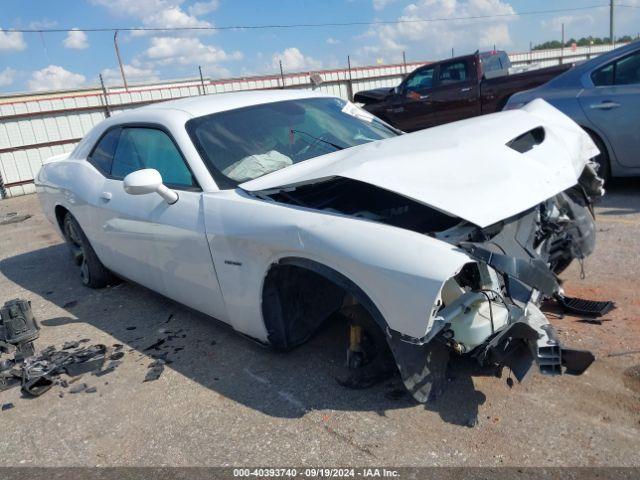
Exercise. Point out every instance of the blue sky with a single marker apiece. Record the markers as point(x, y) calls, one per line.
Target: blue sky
point(33, 61)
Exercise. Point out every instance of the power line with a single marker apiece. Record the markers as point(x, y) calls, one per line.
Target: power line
point(303, 25)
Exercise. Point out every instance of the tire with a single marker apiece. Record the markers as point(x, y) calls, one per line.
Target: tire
point(92, 272)
point(604, 166)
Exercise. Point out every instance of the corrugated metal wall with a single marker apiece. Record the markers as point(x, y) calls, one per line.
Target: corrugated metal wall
point(36, 127)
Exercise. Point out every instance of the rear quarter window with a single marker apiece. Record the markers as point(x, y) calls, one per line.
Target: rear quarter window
point(102, 155)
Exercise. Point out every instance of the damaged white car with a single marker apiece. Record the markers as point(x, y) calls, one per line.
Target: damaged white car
point(272, 211)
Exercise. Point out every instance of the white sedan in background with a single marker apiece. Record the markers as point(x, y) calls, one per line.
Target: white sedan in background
point(273, 210)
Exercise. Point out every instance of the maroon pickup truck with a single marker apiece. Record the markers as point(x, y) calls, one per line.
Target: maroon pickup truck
point(453, 89)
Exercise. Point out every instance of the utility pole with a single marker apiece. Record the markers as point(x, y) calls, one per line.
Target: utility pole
point(204, 90)
point(107, 111)
point(115, 43)
point(350, 82)
point(562, 47)
point(611, 40)
point(281, 73)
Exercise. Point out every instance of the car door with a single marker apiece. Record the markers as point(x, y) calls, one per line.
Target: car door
point(143, 238)
point(411, 109)
point(613, 106)
point(455, 94)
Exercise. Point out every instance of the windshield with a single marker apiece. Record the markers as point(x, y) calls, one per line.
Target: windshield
point(243, 144)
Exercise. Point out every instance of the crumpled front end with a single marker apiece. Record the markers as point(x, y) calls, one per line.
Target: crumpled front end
point(490, 309)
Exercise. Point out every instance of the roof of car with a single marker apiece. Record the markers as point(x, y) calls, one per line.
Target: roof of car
point(208, 104)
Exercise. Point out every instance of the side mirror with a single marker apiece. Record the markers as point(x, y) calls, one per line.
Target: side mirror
point(146, 181)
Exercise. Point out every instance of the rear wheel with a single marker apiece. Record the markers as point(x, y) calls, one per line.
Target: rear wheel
point(92, 272)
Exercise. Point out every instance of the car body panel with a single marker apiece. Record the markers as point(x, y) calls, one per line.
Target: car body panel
point(380, 259)
point(615, 110)
point(574, 94)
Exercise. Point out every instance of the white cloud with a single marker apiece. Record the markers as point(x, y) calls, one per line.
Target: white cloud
point(134, 74)
point(6, 76)
point(332, 41)
point(293, 60)
point(579, 23)
point(135, 8)
point(158, 14)
point(54, 77)
point(381, 4)
point(76, 40)
point(174, 17)
point(11, 41)
point(202, 8)
point(186, 51)
point(428, 39)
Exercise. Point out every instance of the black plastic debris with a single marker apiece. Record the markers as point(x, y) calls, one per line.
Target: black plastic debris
point(593, 321)
point(18, 328)
point(110, 368)
point(37, 374)
point(70, 304)
point(116, 356)
point(155, 370)
point(580, 306)
point(156, 345)
point(86, 360)
point(37, 386)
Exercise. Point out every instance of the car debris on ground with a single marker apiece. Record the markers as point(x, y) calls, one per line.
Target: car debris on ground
point(37, 373)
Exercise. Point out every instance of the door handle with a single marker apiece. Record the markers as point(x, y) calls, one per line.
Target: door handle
point(106, 196)
point(606, 105)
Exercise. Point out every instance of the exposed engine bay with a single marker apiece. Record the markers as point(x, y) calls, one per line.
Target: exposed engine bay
point(488, 310)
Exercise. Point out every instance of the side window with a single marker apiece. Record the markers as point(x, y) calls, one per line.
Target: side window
point(625, 71)
point(628, 70)
point(140, 148)
point(420, 80)
point(603, 76)
point(454, 72)
point(102, 154)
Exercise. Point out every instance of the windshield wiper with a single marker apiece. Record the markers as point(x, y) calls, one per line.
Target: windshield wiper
point(337, 147)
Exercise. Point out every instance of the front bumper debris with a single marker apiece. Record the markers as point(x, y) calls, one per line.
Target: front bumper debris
point(580, 306)
point(531, 338)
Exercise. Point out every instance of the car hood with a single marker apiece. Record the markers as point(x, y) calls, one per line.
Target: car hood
point(464, 169)
point(375, 94)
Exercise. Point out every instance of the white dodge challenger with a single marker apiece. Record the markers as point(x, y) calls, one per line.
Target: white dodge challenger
point(273, 210)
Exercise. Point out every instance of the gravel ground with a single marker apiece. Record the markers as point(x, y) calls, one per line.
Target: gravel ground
point(223, 400)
